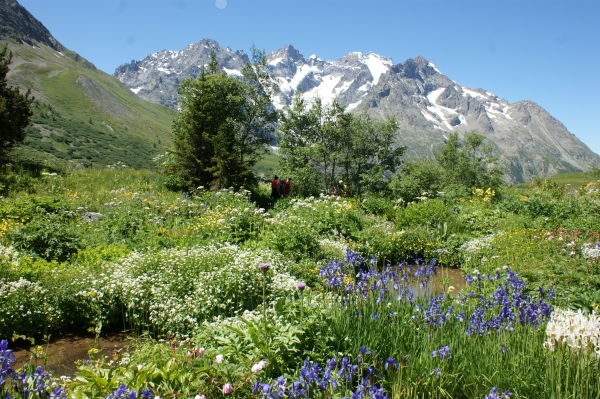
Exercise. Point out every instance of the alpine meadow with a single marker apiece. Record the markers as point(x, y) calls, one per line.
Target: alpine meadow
point(271, 226)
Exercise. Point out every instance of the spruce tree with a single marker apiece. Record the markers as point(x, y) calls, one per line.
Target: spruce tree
point(15, 109)
point(222, 127)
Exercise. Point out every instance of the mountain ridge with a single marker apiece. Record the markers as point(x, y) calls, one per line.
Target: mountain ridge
point(82, 116)
point(427, 104)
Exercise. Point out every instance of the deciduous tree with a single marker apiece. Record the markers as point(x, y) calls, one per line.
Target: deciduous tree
point(322, 144)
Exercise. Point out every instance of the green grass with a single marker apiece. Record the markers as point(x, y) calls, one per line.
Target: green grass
point(89, 118)
point(569, 180)
point(267, 166)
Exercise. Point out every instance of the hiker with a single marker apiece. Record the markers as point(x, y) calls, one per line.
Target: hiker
point(287, 187)
point(335, 190)
point(282, 188)
point(275, 193)
point(342, 188)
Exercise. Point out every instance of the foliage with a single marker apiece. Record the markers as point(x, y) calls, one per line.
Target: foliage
point(469, 164)
point(49, 238)
point(460, 167)
point(417, 179)
point(165, 368)
point(325, 144)
point(491, 334)
point(27, 308)
point(15, 109)
point(425, 213)
point(222, 127)
point(594, 172)
point(292, 237)
point(31, 382)
point(184, 268)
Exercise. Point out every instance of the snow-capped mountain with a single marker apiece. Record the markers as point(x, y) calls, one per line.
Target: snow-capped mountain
point(156, 77)
point(427, 104)
point(348, 79)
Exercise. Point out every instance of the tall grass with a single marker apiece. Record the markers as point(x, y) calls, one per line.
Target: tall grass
point(504, 348)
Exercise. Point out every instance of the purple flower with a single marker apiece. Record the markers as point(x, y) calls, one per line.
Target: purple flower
point(228, 388)
point(264, 267)
point(443, 352)
point(390, 362)
point(301, 285)
point(494, 394)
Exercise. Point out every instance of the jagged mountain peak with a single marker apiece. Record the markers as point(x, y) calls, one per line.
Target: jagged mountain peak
point(287, 54)
point(427, 104)
point(417, 68)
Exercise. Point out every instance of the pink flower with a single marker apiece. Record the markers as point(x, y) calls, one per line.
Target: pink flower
point(256, 368)
point(264, 267)
point(227, 388)
point(219, 359)
point(199, 396)
point(301, 285)
point(200, 352)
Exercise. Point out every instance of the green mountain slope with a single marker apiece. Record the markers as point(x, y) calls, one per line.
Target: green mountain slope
point(82, 116)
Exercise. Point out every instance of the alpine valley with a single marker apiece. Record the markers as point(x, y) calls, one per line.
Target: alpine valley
point(427, 104)
point(82, 116)
point(85, 117)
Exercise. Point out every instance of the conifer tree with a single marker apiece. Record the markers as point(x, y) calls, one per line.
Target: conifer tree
point(222, 127)
point(15, 109)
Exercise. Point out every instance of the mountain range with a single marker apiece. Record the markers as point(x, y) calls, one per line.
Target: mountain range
point(427, 104)
point(85, 117)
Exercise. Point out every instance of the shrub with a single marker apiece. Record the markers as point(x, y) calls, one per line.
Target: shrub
point(26, 309)
point(48, 238)
point(425, 213)
point(291, 236)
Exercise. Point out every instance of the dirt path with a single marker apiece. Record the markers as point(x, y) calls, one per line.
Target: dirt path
point(65, 349)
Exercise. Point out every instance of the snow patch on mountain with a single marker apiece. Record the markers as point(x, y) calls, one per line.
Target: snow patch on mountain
point(439, 110)
point(377, 66)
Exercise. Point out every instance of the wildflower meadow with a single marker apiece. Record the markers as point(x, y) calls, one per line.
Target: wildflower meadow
point(226, 294)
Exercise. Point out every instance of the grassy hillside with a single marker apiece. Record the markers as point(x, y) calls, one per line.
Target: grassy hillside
point(83, 116)
point(267, 166)
point(569, 180)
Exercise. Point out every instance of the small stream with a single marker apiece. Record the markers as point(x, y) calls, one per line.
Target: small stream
point(440, 282)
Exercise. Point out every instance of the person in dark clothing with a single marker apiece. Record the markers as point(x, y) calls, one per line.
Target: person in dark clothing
point(281, 187)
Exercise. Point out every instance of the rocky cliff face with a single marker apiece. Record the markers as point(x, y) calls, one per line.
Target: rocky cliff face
point(157, 77)
point(427, 104)
point(18, 24)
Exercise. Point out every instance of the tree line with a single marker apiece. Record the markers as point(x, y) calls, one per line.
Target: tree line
point(225, 124)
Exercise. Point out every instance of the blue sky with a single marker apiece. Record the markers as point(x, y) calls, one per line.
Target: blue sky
point(547, 51)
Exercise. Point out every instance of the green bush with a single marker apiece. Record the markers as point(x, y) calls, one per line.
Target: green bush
point(291, 236)
point(423, 213)
point(379, 206)
point(49, 238)
point(26, 309)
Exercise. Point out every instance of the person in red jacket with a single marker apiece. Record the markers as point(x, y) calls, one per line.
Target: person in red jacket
point(287, 187)
point(275, 194)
